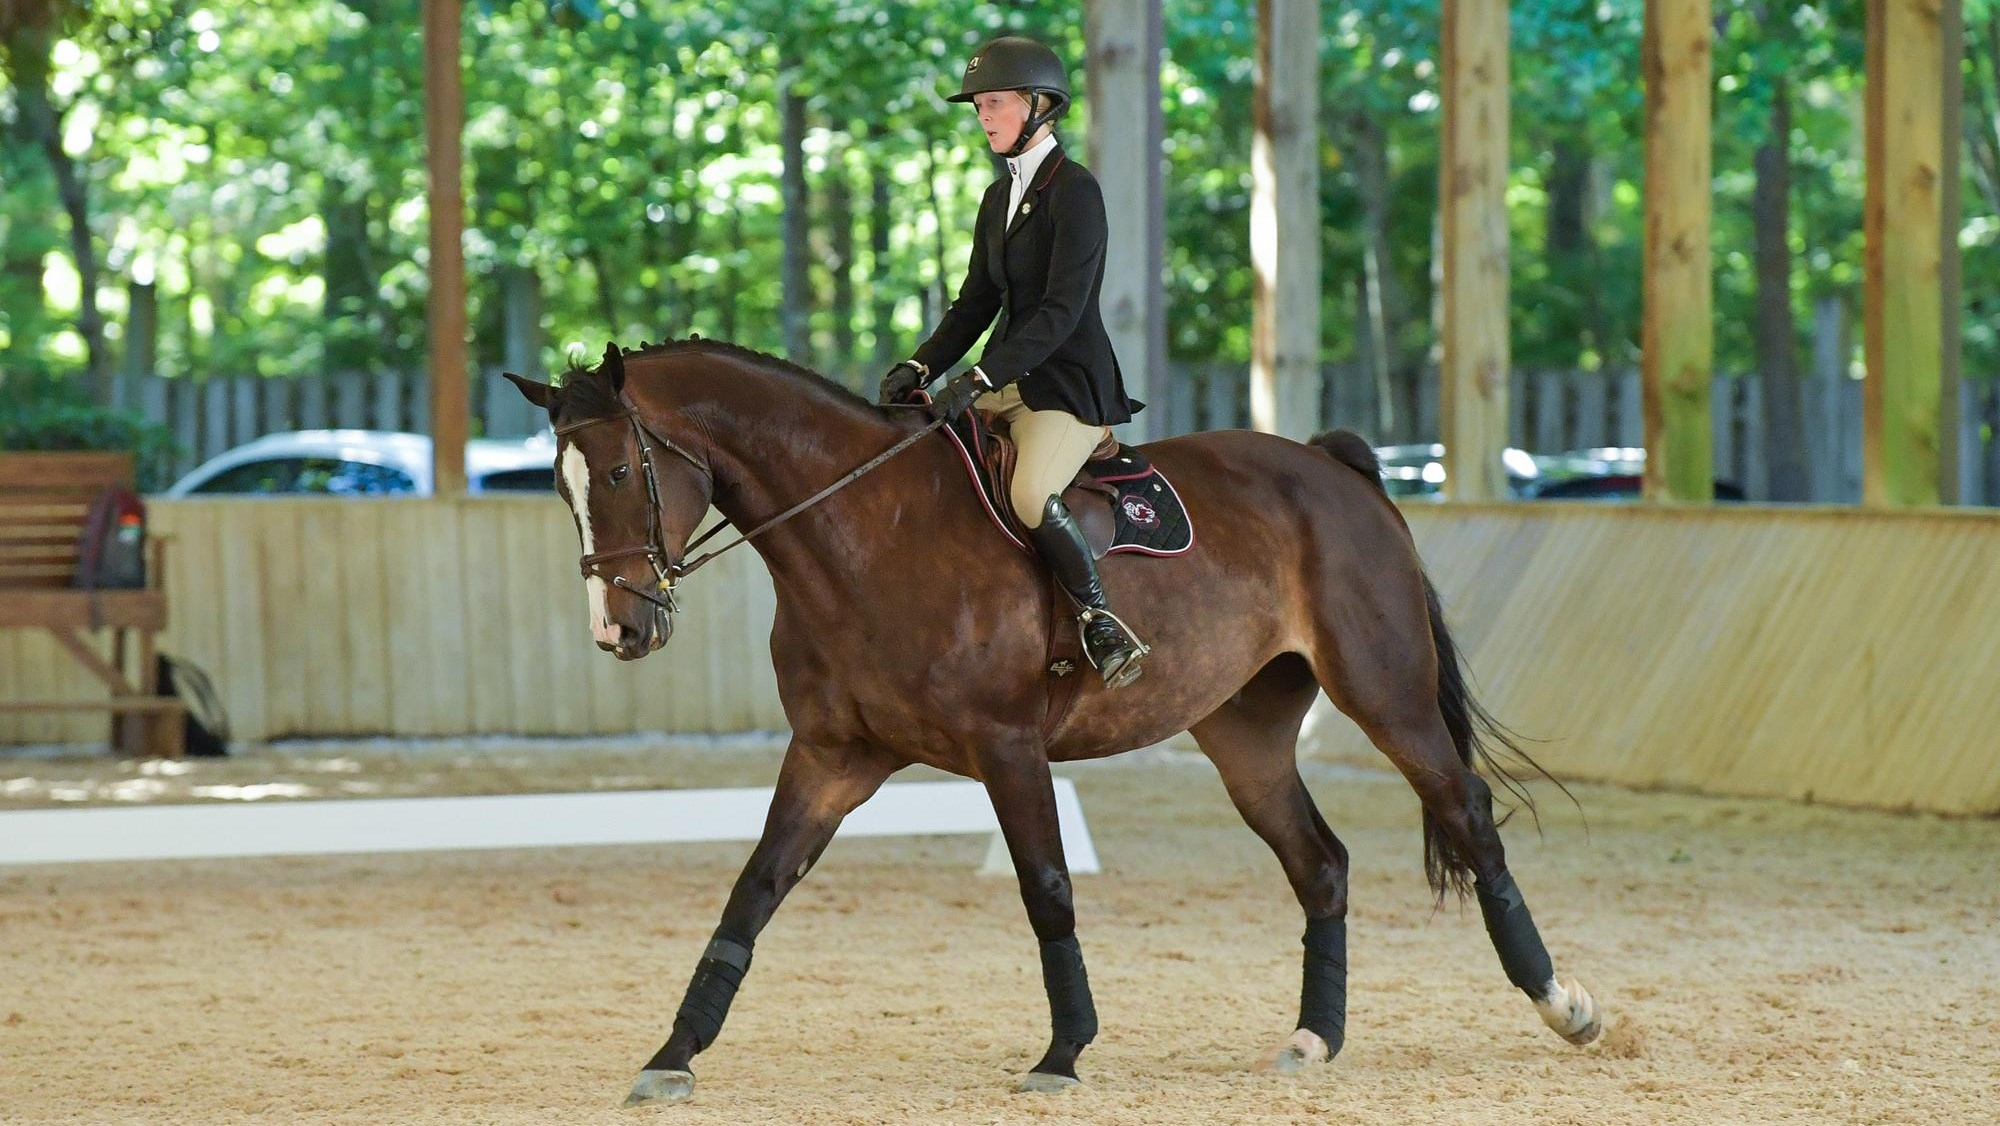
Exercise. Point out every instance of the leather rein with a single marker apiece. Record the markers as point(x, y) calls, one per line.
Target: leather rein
point(665, 571)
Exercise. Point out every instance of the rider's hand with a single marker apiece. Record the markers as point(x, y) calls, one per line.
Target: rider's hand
point(900, 382)
point(955, 398)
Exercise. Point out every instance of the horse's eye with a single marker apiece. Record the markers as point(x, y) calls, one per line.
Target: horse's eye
point(620, 473)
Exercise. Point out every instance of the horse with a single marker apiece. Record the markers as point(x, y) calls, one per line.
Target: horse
point(906, 631)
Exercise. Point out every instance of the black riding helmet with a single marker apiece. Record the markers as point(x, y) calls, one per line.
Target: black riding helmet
point(1016, 63)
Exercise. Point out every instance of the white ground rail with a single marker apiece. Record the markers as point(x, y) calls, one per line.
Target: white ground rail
point(305, 828)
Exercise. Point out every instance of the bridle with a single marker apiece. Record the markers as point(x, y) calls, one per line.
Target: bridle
point(665, 570)
point(655, 548)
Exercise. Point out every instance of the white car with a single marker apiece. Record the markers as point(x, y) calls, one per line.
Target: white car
point(1417, 470)
point(365, 463)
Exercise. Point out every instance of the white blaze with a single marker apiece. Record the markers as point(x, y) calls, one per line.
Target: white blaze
point(576, 474)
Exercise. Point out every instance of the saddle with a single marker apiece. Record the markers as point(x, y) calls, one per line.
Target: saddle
point(1120, 500)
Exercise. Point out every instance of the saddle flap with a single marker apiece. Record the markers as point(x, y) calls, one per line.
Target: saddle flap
point(1091, 504)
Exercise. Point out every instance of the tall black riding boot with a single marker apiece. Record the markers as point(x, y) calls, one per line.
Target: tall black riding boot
point(1106, 641)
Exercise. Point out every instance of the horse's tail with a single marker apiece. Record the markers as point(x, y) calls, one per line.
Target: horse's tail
point(1481, 740)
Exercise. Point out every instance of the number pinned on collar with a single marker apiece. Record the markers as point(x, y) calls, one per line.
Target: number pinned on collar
point(1027, 205)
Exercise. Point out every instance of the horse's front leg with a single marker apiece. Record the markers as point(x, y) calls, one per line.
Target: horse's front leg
point(1025, 802)
point(817, 787)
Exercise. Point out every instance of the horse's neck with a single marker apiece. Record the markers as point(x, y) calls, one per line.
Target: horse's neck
point(772, 444)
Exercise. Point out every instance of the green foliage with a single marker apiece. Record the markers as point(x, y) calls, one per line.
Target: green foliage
point(47, 413)
point(265, 171)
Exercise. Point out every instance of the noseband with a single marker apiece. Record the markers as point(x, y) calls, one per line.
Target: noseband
point(655, 548)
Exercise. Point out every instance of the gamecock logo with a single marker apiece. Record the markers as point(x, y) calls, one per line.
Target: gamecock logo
point(1139, 512)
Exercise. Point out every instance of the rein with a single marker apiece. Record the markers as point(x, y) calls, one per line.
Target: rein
point(655, 550)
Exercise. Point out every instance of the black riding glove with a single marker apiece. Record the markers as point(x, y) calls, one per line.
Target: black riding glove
point(955, 398)
point(901, 380)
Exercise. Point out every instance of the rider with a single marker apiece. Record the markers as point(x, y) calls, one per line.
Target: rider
point(1048, 369)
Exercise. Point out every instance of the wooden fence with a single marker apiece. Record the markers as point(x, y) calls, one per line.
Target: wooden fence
point(1845, 655)
point(417, 618)
point(1555, 411)
point(1838, 655)
point(208, 416)
point(1552, 411)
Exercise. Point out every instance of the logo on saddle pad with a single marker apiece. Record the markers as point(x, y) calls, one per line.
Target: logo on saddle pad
point(1139, 512)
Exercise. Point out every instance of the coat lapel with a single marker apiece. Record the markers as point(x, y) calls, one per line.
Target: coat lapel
point(1032, 198)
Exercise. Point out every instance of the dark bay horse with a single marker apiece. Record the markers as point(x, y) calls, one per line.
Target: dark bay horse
point(909, 631)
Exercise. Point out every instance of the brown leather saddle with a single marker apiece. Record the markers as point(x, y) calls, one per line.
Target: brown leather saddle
point(1120, 499)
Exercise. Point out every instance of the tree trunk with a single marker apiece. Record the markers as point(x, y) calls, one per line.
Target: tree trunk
point(39, 126)
point(350, 285)
point(796, 307)
point(1566, 243)
point(882, 318)
point(1776, 333)
point(939, 295)
point(732, 274)
point(840, 262)
point(1574, 259)
point(607, 294)
point(1383, 307)
point(27, 191)
point(1982, 117)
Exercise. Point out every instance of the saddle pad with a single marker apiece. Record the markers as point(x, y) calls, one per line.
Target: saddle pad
point(1149, 516)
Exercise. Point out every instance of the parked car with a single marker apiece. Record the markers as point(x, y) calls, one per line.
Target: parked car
point(1609, 473)
point(365, 463)
point(1417, 470)
point(1618, 487)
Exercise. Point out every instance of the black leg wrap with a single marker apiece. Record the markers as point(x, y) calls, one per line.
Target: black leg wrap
point(1072, 1014)
point(1323, 999)
point(1514, 936)
point(716, 977)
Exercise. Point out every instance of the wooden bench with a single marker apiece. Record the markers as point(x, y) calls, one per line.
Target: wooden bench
point(45, 499)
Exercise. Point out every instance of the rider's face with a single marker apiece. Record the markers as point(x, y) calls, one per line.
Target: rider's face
point(1002, 113)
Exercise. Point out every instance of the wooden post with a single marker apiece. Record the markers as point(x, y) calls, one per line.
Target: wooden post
point(1952, 428)
point(444, 116)
point(1903, 300)
point(1472, 196)
point(1678, 335)
point(142, 344)
point(1124, 38)
point(1284, 220)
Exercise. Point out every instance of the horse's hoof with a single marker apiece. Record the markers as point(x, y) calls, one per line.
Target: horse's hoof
point(1569, 1009)
point(1302, 1051)
point(1043, 1083)
point(661, 1087)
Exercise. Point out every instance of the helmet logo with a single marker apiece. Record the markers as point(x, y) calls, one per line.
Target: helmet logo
point(973, 65)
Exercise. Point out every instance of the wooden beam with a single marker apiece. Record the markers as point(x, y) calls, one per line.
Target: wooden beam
point(1953, 463)
point(1284, 220)
point(112, 678)
point(1903, 302)
point(444, 118)
point(1123, 39)
point(1472, 194)
point(1678, 333)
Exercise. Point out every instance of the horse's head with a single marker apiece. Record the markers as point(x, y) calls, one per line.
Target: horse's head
point(636, 496)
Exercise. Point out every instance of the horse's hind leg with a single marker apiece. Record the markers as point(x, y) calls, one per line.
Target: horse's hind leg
point(1251, 740)
point(1396, 674)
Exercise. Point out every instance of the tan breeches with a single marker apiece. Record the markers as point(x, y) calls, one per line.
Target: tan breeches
point(1050, 447)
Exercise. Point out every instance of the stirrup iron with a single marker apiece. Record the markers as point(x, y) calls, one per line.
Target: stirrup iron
point(1083, 616)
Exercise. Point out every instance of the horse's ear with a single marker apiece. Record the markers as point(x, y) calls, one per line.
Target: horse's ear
point(540, 394)
point(614, 366)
